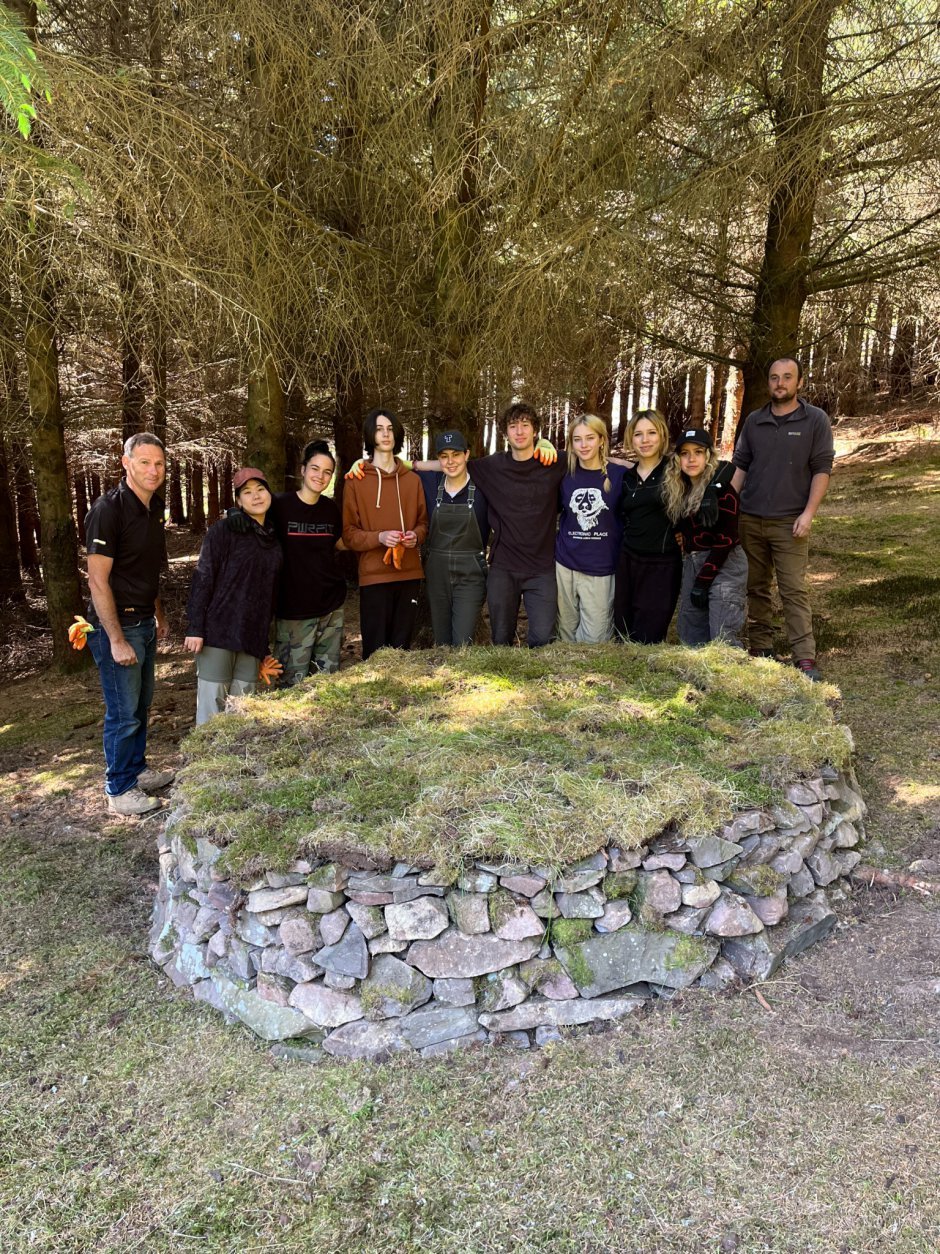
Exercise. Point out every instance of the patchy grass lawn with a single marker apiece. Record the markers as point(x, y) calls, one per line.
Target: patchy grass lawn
point(133, 1119)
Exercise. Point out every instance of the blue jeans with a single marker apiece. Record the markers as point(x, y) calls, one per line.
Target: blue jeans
point(128, 692)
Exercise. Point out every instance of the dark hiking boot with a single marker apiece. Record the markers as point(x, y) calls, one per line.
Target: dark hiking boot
point(761, 653)
point(808, 667)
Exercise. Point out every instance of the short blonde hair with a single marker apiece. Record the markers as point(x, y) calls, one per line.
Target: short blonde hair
point(599, 427)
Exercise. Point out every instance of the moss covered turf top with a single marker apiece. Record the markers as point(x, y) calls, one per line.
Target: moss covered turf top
point(529, 757)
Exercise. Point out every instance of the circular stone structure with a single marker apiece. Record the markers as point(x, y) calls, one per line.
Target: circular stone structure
point(367, 954)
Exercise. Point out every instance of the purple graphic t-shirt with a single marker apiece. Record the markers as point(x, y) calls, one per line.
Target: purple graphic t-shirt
point(589, 531)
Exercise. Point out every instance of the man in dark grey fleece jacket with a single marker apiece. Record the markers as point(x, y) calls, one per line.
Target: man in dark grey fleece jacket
point(783, 460)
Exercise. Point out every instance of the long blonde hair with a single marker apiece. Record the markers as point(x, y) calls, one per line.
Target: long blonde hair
point(659, 422)
point(599, 427)
point(681, 497)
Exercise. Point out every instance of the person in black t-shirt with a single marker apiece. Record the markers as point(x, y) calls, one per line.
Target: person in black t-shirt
point(522, 496)
point(312, 589)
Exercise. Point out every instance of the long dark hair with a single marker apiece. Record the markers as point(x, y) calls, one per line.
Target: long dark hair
point(368, 429)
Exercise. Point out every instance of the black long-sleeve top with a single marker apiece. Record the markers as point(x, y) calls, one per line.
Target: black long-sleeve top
point(647, 530)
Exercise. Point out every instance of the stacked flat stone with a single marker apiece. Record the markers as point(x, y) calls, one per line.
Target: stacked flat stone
point(372, 963)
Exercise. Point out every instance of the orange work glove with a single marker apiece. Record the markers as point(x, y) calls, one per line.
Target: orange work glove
point(356, 470)
point(270, 669)
point(394, 556)
point(78, 632)
point(546, 453)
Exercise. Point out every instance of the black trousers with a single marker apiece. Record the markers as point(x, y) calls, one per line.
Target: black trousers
point(387, 614)
point(504, 591)
point(646, 590)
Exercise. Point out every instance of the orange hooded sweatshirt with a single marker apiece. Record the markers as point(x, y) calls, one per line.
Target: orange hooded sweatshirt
point(384, 501)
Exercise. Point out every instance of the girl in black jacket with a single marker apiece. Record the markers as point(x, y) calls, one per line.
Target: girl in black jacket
point(232, 599)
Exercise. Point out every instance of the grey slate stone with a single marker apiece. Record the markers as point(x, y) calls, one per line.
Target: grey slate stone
point(267, 1020)
point(580, 905)
point(393, 988)
point(333, 925)
point(374, 1042)
point(349, 956)
point(422, 919)
point(732, 916)
point(434, 1024)
point(276, 898)
point(450, 992)
point(536, 1013)
point(326, 1007)
point(712, 850)
point(470, 912)
point(369, 919)
point(758, 957)
point(602, 964)
point(457, 956)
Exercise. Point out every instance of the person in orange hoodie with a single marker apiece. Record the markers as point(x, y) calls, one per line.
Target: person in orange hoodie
point(385, 520)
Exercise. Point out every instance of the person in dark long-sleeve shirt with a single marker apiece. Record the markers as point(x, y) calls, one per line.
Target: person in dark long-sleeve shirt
point(231, 599)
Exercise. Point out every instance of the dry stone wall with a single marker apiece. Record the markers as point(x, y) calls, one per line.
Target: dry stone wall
point(367, 964)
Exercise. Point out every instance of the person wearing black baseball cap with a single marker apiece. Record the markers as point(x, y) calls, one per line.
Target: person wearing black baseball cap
point(231, 599)
point(455, 562)
point(703, 506)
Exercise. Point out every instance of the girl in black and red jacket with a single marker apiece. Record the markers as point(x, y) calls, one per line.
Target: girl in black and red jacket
point(703, 507)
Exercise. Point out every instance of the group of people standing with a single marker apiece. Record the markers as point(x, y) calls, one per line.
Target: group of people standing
point(594, 547)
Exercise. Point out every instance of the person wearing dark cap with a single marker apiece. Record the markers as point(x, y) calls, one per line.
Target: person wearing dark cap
point(455, 561)
point(231, 599)
point(703, 506)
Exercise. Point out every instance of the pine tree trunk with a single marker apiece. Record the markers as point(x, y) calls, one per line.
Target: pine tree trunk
point(175, 493)
point(27, 515)
point(266, 421)
point(214, 511)
point(698, 378)
point(81, 504)
point(798, 112)
point(347, 427)
point(50, 470)
point(12, 416)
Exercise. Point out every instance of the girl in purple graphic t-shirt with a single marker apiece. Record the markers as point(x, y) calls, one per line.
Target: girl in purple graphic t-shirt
point(589, 535)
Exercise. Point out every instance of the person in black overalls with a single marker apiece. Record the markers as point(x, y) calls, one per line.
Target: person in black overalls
point(455, 563)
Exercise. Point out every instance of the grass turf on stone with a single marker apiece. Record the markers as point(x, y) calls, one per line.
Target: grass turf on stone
point(533, 757)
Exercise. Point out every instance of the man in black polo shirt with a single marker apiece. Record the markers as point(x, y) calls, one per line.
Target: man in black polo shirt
point(783, 460)
point(126, 549)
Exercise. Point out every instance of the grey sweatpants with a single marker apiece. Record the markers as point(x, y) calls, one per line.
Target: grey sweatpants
point(727, 601)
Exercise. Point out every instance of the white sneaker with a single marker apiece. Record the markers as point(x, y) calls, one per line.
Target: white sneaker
point(152, 781)
point(132, 802)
